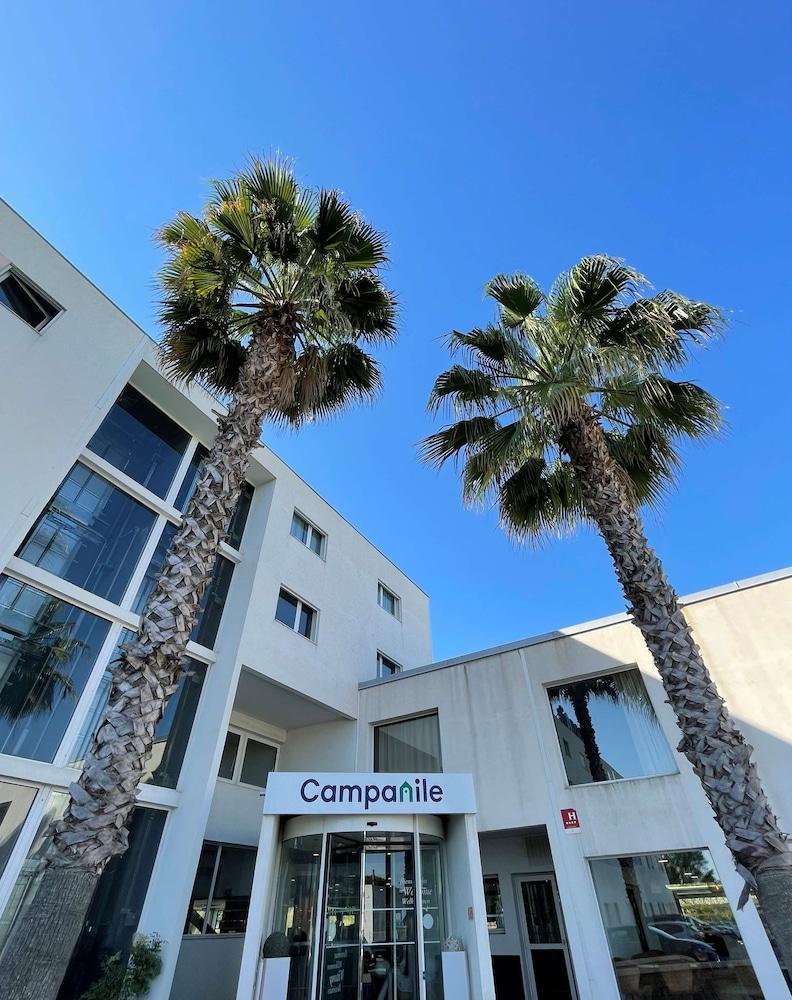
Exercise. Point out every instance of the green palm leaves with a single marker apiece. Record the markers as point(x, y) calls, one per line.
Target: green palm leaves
point(595, 346)
point(263, 245)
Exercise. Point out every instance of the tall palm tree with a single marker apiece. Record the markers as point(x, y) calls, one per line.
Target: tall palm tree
point(566, 413)
point(269, 298)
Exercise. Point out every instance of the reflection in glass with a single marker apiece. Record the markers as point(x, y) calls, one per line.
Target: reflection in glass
point(47, 650)
point(432, 915)
point(296, 908)
point(154, 568)
point(15, 803)
point(140, 440)
point(90, 533)
point(607, 729)
point(191, 478)
point(670, 928)
point(220, 898)
point(173, 730)
point(410, 745)
point(493, 903)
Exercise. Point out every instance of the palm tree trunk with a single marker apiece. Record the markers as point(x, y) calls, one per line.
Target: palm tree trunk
point(711, 740)
point(588, 735)
point(94, 828)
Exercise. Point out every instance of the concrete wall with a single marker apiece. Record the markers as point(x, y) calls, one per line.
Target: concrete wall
point(496, 722)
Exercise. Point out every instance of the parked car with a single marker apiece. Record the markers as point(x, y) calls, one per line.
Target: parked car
point(680, 944)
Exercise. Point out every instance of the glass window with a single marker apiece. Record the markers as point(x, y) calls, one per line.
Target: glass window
point(221, 894)
point(15, 803)
point(307, 533)
point(432, 915)
point(229, 757)
point(296, 614)
point(386, 667)
point(112, 918)
point(25, 301)
point(388, 600)
point(47, 651)
point(210, 610)
point(91, 534)
point(173, 730)
point(670, 928)
point(140, 440)
point(191, 477)
point(409, 745)
point(236, 526)
point(607, 729)
point(155, 567)
point(247, 760)
point(258, 761)
point(296, 908)
point(494, 904)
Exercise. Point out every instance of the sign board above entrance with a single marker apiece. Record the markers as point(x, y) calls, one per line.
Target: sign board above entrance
point(290, 794)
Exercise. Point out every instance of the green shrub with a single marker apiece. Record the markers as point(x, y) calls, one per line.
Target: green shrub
point(120, 981)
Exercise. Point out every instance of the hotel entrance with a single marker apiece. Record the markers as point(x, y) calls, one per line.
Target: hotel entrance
point(360, 908)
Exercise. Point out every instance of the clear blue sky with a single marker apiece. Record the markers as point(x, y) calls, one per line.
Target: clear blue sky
point(482, 137)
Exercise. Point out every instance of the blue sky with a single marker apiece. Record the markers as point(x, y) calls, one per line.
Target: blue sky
point(483, 137)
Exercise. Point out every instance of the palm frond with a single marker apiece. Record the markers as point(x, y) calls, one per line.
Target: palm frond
point(518, 295)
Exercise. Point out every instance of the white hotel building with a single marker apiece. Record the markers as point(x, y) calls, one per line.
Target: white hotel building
point(555, 830)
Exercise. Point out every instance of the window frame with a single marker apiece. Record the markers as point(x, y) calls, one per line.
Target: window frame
point(245, 735)
point(300, 604)
point(384, 589)
point(7, 268)
point(498, 917)
point(313, 529)
point(591, 675)
point(219, 845)
point(381, 675)
point(433, 712)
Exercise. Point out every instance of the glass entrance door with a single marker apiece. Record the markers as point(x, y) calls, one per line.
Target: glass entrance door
point(548, 970)
point(370, 942)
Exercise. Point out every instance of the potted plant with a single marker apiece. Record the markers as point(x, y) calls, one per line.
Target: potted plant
point(275, 967)
point(455, 973)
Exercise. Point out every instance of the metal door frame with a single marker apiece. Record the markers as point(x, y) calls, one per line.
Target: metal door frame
point(526, 946)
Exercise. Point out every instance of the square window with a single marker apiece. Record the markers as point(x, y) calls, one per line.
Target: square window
point(609, 725)
point(259, 760)
point(386, 667)
point(26, 302)
point(307, 533)
point(295, 614)
point(388, 600)
point(409, 745)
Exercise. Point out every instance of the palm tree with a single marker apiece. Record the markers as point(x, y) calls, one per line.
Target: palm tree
point(565, 414)
point(269, 298)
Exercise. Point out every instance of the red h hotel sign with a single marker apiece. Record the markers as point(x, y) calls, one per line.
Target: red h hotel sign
point(569, 818)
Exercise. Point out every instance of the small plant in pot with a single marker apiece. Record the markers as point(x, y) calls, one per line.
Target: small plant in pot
point(276, 946)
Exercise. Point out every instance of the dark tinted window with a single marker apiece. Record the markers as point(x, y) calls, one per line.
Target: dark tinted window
point(140, 440)
point(173, 730)
point(22, 298)
point(607, 729)
point(286, 611)
point(228, 760)
point(221, 894)
point(47, 650)
point(154, 567)
point(212, 603)
point(113, 916)
point(239, 518)
point(259, 761)
point(191, 477)
point(91, 534)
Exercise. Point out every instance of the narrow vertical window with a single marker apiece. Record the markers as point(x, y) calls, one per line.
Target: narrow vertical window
point(494, 904)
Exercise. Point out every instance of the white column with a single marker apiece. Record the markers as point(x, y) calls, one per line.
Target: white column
point(260, 907)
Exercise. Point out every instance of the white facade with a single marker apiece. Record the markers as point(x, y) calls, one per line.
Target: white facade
point(318, 701)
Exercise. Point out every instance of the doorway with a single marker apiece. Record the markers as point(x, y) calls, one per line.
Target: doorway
point(548, 971)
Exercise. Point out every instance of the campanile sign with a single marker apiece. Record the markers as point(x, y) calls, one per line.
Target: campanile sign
point(290, 793)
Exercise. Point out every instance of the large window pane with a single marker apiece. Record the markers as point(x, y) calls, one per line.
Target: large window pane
point(140, 440)
point(15, 802)
point(607, 729)
point(410, 745)
point(670, 928)
point(47, 650)
point(296, 908)
point(210, 610)
point(113, 916)
point(259, 761)
point(173, 731)
point(221, 894)
point(91, 534)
